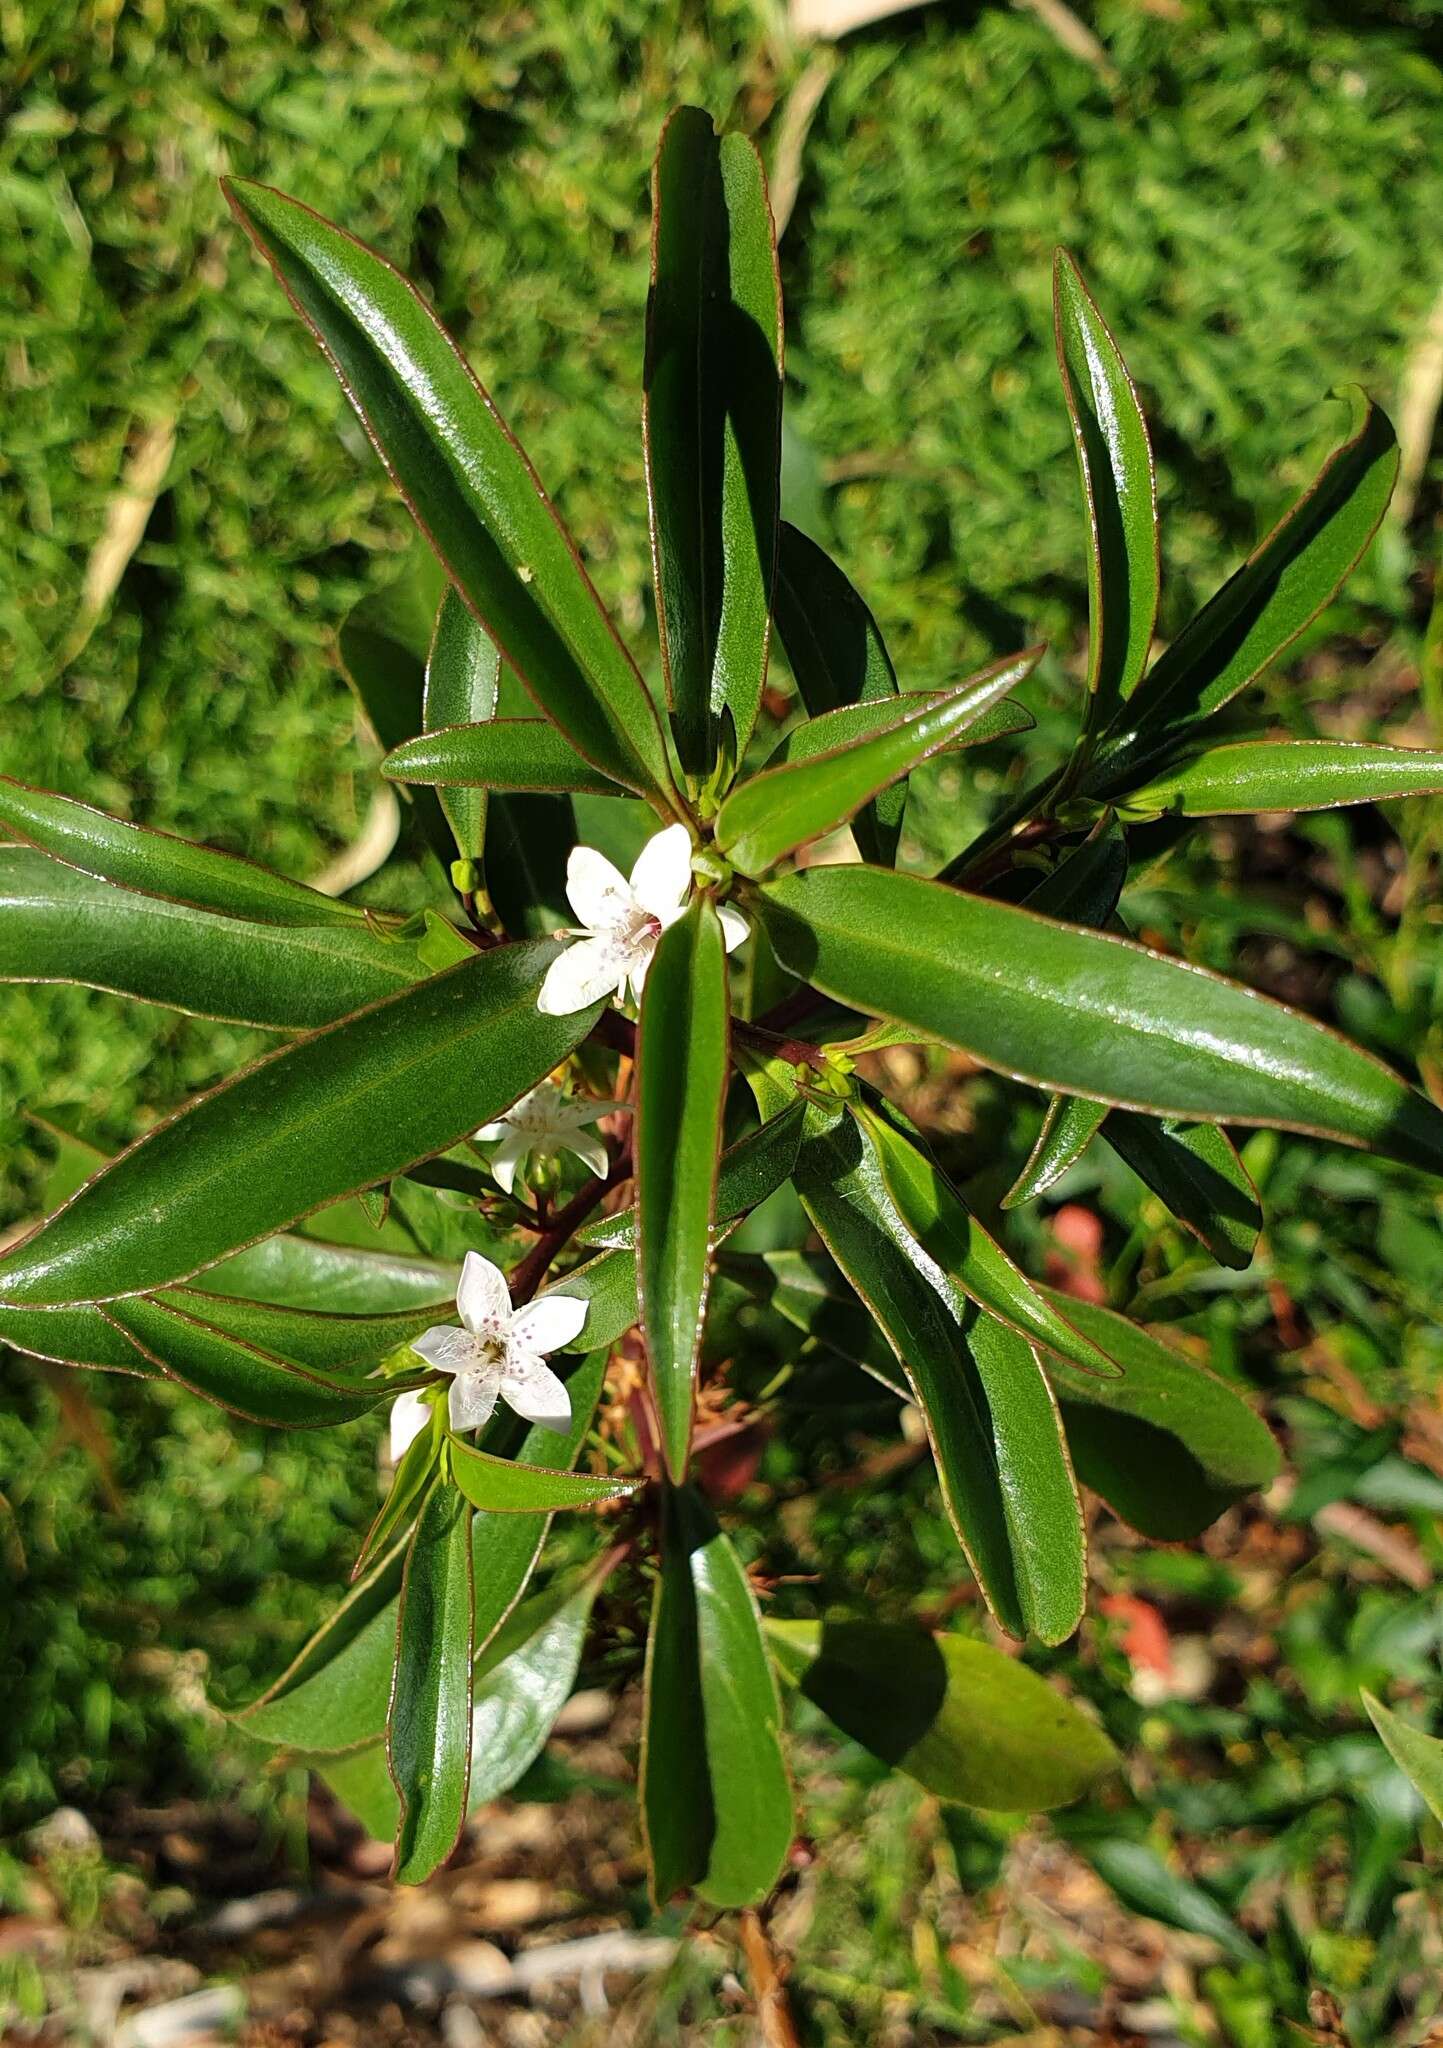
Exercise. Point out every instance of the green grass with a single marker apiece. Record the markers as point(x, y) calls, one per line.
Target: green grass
point(1256, 209)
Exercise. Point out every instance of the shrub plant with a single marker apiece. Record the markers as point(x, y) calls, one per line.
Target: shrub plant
point(617, 1084)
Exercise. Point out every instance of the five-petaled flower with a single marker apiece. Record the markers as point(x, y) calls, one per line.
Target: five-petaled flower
point(622, 920)
point(545, 1121)
point(501, 1351)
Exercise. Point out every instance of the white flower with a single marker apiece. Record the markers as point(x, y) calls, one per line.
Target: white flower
point(621, 921)
point(409, 1416)
point(502, 1351)
point(544, 1121)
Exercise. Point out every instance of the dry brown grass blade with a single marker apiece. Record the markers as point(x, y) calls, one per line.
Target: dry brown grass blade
point(127, 515)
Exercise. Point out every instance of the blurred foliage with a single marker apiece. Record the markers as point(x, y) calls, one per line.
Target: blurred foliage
point(1256, 206)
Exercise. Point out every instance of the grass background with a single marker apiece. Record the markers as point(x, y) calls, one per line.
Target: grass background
point(1256, 202)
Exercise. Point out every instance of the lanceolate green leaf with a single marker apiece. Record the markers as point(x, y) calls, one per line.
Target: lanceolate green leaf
point(1087, 1013)
point(74, 1336)
point(713, 411)
point(1084, 889)
point(237, 1376)
point(750, 1170)
point(1069, 1127)
point(333, 1696)
point(384, 643)
point(852, 723)
point(782, 808)
point(471, 488)
point(1287, 775)
point(1278, 591)
point(410, 1482)
point(463, 670)
point(682, 1077)
point(57, 924)
point(503, 1486)
point(428, 1733)
point(1418, 1756)
point(841, 1185)
point(1195, 1170)
point(521, 1684)
point(305, 1273)
point(1168, 1446)
point(325, 1341)
point(338, 1111)
point(967, 1254)
point(716, 1802)
point(1115, 457)
point(298, 1272)
point(838, 658)
point(966, 1721)
point(158, 864)
point(507, 753)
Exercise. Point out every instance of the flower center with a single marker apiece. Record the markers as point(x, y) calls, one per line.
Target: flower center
point(488, 1353)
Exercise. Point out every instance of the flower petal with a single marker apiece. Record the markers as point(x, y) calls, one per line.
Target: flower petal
point(581, 976)
point(589, 1150)
point(661, 878)
point(507, 1158)
point(489, 1133)
point(483, 1300)
point(446, 1348)
point(530, 1387)
point(734, 926)
point(585, 1109)
point(472, 1399)
point(548, 1322)
point(410, 1415)
point(596, 891)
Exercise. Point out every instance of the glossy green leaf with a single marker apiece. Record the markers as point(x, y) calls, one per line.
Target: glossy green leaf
point(1194, 1169)
point(520, 1686)
point(1087, 1013)
point(428, 1730)
point(74, 1336)
point(716, 1802)
point(1287, 775)
point(254, 1384)
point(950, 1234)
point(966, 1721)
point(57, 924)
point(783, 808)
point(507, 753)
point(333, 1696)
point(323, 1340)
point(1115, 457)
point(1418, 1756)
point(1169, 1446)
point(838, 658)
point(463, 670)
point(812, 1295)
point(349, 1106)
point(505, 1487)
point(1084, 889)
point(750, 1170)
point(472, 490)
point(841, 1186)
point(852, 723)
point(158, 864)
point(410, 1483)
point(682, 1080)
point(1279, 590)
point(298, 1272)
point(1069, 1127)
point(712, 419)
point(1086, 884)
point(307, 1273)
